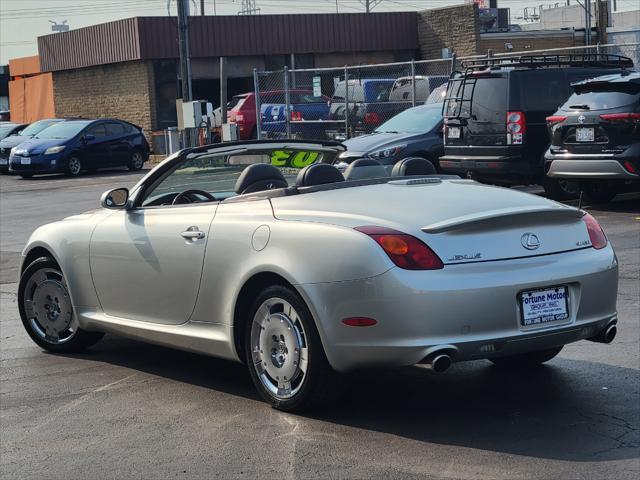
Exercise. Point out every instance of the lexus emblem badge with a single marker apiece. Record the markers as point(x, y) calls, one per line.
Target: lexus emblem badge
point(581, 119)
point(530, 241)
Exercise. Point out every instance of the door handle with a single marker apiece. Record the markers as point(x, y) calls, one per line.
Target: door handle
point(192, 233)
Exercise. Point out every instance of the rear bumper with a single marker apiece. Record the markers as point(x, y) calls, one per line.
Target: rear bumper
point(472, 310)
point(589, 167)
point(491, 166)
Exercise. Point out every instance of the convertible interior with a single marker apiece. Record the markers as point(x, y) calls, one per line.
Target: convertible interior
point(216, 177)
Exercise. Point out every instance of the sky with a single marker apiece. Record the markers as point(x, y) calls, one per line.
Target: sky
point(22, 21)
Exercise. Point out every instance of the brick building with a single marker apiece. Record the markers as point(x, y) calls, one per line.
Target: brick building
point(128, 68)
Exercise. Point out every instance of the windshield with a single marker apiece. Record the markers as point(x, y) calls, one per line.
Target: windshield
point(420, 119)
point(5, 129)
point(600, 100)
point(37, 127)
point(62, 130)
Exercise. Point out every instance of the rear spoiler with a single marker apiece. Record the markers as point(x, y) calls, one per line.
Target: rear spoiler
point(506, 214)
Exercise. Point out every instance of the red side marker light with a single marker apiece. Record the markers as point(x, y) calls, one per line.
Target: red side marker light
point(359, 321)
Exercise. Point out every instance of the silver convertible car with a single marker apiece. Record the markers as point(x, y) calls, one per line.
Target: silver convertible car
point(264, 253)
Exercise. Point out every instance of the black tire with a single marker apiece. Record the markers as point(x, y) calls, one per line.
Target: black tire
point(525, 360)
point(26, 175)
point(136, 162)
point(599, 192)
point(561, 189)
point(78, 341)
point(74, 166)
point(320, 384)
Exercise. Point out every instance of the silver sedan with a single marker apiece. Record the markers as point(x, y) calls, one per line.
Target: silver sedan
point(265, 253)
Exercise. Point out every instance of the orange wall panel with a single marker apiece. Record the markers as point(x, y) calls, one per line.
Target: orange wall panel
point(19, 67)
point(31, 98)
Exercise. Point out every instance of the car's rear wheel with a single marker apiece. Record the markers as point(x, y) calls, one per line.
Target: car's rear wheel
point(283, 351)
point(527, 359)
point(136, 162)
point(561, 189)
point(74, 166)
point(599, 192)
point(46, 310)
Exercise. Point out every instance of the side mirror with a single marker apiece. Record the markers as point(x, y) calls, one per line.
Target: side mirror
point(114, 199)
point(88, 137)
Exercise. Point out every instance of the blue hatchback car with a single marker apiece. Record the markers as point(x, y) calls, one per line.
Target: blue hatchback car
point(74, 146)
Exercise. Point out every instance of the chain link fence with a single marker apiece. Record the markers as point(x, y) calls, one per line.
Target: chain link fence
point(339, 103)
point(344, 102)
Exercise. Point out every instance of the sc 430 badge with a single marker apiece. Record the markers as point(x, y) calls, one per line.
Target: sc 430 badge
point(466, 256)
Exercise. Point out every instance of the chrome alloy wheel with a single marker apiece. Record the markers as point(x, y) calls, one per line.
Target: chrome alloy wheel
point(74, 166)
point(279, 348)
point(48, 306)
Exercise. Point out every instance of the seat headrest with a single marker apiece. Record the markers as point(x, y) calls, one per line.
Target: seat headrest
point(413, 166)
point(258, 177)
point(365, 168)
point(318, 174)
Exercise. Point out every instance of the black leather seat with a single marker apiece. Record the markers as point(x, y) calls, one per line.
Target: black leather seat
point(413, 166)
point(318, 174)
point(365, 168)
point(259, 177)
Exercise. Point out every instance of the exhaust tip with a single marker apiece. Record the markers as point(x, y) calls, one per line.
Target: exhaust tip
point(441, 363)
point(610, 333)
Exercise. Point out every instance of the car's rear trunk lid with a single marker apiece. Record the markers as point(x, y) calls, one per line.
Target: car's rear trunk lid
point(461, 220)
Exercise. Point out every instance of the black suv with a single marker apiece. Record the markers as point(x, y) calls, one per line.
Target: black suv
point(595, 136)
point(495, 115)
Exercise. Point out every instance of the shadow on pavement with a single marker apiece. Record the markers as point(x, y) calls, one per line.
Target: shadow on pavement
point(568, 410)
point(92, 174)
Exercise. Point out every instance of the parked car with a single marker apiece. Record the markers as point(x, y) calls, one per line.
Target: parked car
point(415, 132)
point(10, 128)
point(495, 115)
point(213, 252)
point(438, 94)
point(369, 106)
point(595, 136)
point(309, 116)
point(241, 109)
point(77, 145)
point(7, 143)
point(402, 89)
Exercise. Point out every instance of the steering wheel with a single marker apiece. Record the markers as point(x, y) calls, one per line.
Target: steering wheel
point(192, 193)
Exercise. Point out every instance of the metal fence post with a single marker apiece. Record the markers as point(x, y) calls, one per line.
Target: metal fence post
point(346, 101)
point(287, 102)
point(413, 82)
point(454, 57)
point(256, 88)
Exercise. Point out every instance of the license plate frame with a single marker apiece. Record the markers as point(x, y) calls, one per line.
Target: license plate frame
point(585, 134)
point(453, 132)
point(549, 310)
point(25, 161)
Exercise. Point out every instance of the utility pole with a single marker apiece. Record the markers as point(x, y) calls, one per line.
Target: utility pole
point(202, 8)
point(370, 4)
point(248, 8)
point(587, 28)
point(185, 63)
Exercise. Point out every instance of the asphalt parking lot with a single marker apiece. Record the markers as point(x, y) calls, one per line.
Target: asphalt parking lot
point(130, 410)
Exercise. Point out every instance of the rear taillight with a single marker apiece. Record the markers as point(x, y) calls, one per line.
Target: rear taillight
point(629, 167)
point(372, 118)
point(596, 234)
point(406, 251)
point(296, 116)
point(621, 117)
point(554, 119)
point(516, 127)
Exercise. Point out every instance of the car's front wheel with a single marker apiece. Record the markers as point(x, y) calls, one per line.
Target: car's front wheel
point(46, 310)
point(283, 351)
point(529, 359)
point(136, 161)
point(74, 166)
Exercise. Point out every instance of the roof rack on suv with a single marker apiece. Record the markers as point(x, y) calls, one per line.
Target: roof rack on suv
point(453, 105)
point(561, 60)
